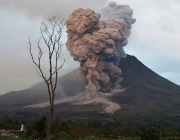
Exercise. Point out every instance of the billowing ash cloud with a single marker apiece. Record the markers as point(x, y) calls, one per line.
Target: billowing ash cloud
point(98, 44)
point(124, 12)
point(93, 42)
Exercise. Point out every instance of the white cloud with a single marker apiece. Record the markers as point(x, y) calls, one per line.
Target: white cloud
point(158, 25)
point(49, 8)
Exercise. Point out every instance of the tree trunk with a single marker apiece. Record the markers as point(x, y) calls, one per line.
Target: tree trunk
point(50, 121)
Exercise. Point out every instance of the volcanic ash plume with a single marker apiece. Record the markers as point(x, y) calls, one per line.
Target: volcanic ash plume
point(92, 42)
point(124, 12)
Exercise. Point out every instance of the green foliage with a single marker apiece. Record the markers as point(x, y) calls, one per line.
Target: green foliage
point(89, 138)
point(63, 136)
point(37, 129)
point(94, 124)
point(6, 138)
point(23, 135)
point(132, 138)
point(92, 130)
point(76, 131)
point(149, 134)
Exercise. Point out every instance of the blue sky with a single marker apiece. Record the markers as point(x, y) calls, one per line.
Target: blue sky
point(155, 38)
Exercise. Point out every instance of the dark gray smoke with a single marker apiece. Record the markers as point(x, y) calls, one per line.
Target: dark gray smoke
point(116, 11)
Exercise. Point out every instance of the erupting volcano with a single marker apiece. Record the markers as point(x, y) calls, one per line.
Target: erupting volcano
point(108, 77)
point(98, 45)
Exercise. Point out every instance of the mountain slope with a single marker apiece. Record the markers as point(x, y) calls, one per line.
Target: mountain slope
point(68, 85)
point(145, 90)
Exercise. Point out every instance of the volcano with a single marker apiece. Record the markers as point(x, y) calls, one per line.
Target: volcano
point(143, 90)
point(146, 89)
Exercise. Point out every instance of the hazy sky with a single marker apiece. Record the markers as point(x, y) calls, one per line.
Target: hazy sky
point(155, 38)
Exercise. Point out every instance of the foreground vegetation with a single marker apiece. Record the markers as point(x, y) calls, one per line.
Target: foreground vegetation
point(90, 125)
point(93, 130)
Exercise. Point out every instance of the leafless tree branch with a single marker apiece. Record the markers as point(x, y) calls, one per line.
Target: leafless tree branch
point(52, 40)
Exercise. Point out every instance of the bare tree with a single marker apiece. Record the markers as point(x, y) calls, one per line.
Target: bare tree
point(52, 40)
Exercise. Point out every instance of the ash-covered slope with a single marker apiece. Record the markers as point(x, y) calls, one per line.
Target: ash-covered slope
point(145, 89)
point(68, 85)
